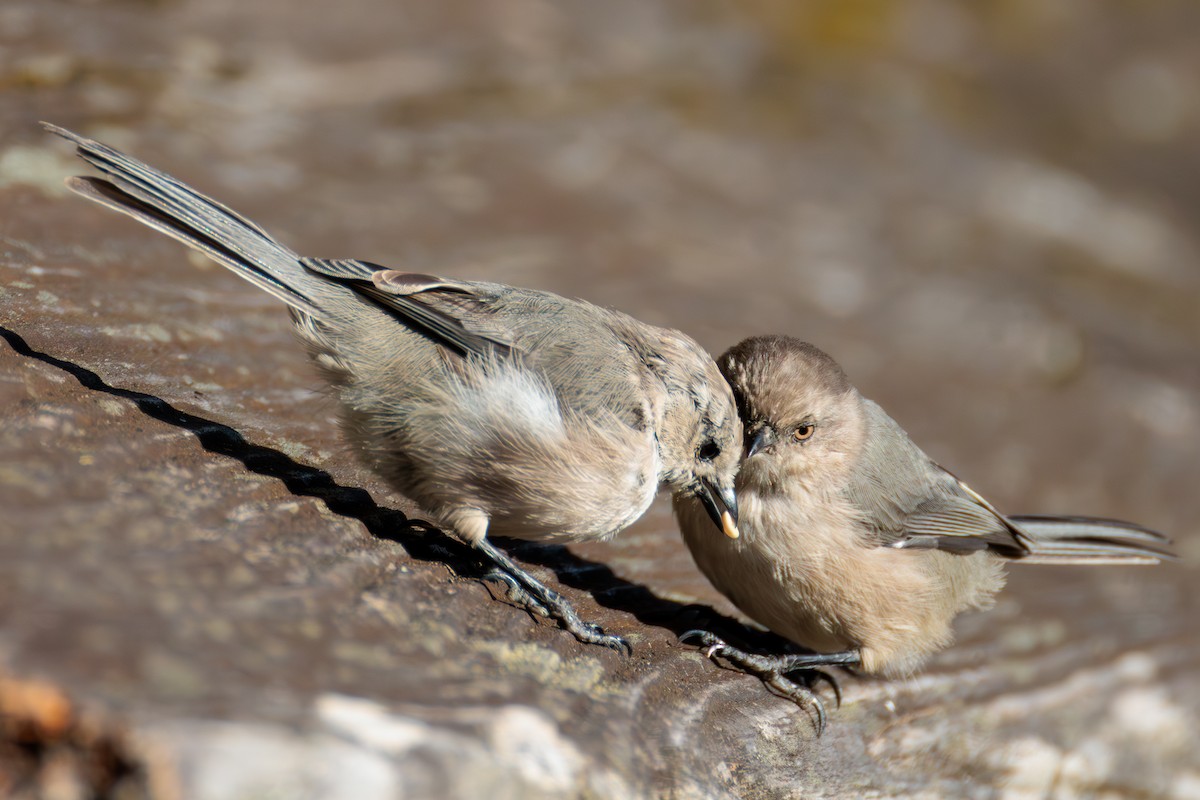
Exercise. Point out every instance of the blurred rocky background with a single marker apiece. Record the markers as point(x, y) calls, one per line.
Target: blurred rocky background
point(986, 211)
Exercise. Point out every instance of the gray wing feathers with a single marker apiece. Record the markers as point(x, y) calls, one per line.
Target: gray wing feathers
point(957, 525)
point(590, 355)
point(908, 501)
point(163, 203)
point(343, 269)
point(413, 300)
point(966, 523)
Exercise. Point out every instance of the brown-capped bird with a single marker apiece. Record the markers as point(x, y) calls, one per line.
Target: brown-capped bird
point(854, 543)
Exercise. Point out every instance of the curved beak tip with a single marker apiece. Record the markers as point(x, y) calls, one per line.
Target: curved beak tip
point(721, 505)
point(729, 526)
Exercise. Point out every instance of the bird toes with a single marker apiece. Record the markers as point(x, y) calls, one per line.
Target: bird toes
point(594, 634)
point(552, 605)
point(801, 695)
point(516, 594)
point(773, 671)
point(706, 639)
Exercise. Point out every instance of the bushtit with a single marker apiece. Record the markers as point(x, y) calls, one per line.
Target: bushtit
point(497, 410)
point(853, 542)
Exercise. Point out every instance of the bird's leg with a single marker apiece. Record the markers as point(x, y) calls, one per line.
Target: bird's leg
point(534, 596)
point(773, 670)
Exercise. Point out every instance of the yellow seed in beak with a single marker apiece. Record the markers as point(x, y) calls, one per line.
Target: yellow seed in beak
point(729, 526)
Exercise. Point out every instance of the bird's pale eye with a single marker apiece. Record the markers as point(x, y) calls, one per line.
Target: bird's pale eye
point(708, 451)
point(804, 431)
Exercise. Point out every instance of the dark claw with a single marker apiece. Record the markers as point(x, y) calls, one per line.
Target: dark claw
point(586, 632)
point(609, 640)
point(820, 675)
point(801, 695)
point(715, 646)
point(697, 634)
point(773, 670)
point(516, 594)
point(534, 596)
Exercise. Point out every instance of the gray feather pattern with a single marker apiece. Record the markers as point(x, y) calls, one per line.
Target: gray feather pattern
point(559, 421)
point(414, 306)
point(1084, 539)
point(852, 538)
point(907, 500)
point(183, 213)
point(926, 507)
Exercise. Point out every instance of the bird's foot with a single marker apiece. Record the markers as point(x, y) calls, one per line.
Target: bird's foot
point(515, 593)
point(528, 592)
point(773, 671)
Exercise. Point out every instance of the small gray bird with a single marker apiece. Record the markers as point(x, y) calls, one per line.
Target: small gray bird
point(853, 542)
point(497, 410)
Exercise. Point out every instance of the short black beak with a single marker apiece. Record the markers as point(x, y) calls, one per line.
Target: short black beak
point(721, 504)
point(762, 440)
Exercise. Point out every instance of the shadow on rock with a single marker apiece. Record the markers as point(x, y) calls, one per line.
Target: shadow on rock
point(300, 479)
point(615, 593)
point(594, 578)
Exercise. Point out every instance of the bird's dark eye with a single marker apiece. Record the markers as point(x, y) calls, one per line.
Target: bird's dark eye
point(708, 451)
point(804, 431)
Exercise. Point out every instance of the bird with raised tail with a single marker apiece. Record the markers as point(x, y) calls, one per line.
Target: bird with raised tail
point(497, 410)
point(855, 544)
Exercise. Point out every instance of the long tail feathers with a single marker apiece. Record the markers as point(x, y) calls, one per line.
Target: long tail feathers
point(172, 207)
point(1084, 540)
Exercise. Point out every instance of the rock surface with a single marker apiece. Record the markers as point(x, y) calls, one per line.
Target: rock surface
point(986, 213)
